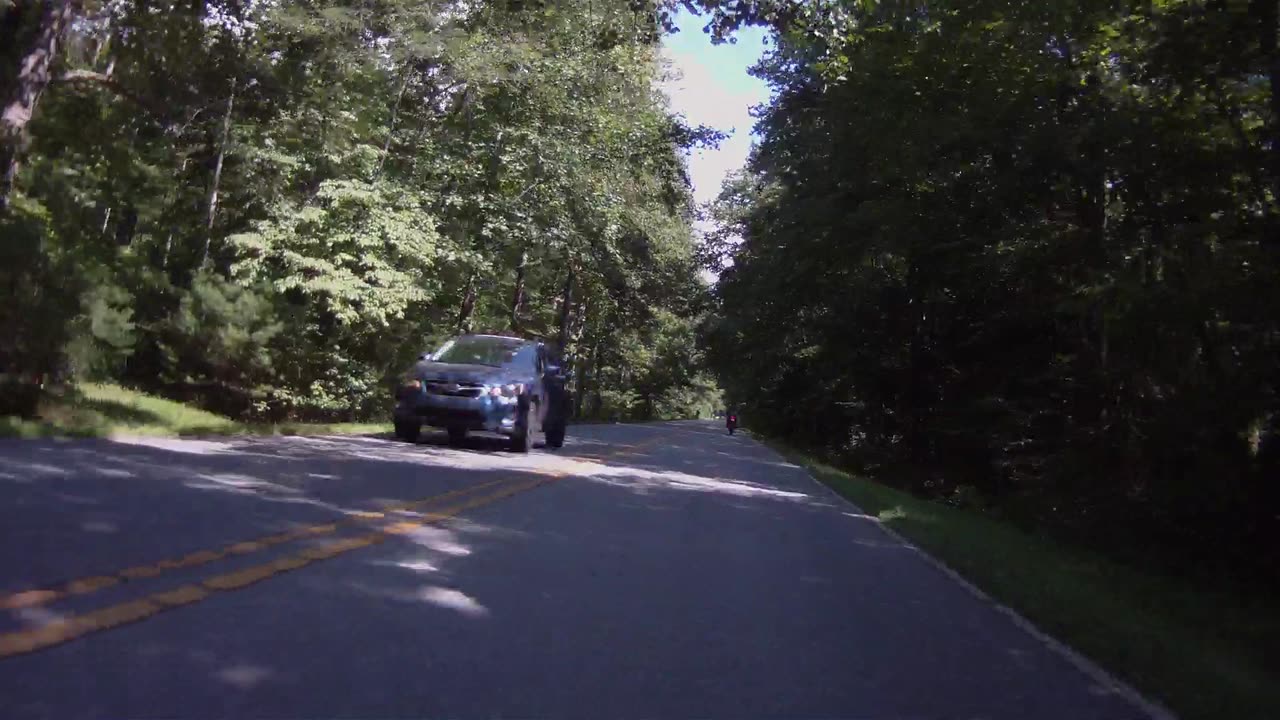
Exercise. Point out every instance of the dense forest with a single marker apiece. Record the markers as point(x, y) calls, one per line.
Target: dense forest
point(1023, 256)
point(271, 207)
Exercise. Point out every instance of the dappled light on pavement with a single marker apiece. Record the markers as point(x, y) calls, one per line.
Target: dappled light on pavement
point(667, 569)
point(642, 481)
point(244, 677)
point(451, 599)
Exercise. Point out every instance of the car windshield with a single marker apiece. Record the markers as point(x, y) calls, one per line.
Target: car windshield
point(493, 351)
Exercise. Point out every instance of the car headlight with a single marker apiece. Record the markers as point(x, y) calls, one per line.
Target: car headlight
point(508, 390)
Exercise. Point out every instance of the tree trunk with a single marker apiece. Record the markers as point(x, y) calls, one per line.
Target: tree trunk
point(566, 307)
point(517, 297)
point(217, 174)
point(468, 305)
point(30, 80)
point(391, 126)
point(587, 374)
point(127, 226)
point(578, 326)
point(170, 195)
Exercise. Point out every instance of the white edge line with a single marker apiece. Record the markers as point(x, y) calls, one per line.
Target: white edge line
point(1153, 710)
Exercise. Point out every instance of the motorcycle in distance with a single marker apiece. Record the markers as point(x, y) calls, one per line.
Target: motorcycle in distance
point(731, 422)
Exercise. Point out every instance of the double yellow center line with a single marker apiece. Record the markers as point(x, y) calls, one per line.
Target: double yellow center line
point(87, 585)
point(69, 628)
point(65, 629)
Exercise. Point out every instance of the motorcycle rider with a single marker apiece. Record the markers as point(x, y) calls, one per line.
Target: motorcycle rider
point(731, 420)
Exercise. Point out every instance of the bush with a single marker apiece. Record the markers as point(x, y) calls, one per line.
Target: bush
point(103, 337)
point(215, 346)
point(40, 287)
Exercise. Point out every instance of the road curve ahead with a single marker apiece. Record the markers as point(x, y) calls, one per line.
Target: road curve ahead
point(643, 571)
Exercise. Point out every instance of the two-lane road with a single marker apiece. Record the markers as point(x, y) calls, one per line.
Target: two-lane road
point(660, 571)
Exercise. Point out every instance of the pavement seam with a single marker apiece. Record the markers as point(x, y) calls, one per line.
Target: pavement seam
point(1152, 709)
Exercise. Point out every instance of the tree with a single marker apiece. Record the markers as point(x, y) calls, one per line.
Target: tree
point(1018, 248)
point(378, 174)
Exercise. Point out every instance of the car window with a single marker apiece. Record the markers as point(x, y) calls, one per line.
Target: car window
point(494, 351)
point(525, 359)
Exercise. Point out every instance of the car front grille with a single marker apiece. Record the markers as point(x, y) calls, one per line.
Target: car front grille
point(452, 389)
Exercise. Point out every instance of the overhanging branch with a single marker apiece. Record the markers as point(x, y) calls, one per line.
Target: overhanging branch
point(106, 81)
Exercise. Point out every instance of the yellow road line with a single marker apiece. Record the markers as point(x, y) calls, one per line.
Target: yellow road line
point(84, 586)
point(66, 629)
point(70, 628)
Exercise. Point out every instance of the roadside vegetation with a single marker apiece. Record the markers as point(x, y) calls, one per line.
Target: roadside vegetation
point(1022, 257)
point(1203, 651)
point(97, 410)
point(269, 209)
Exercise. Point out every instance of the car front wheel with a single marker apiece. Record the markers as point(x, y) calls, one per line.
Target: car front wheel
point(555, 434)
point(408, 431)
point(526, 427)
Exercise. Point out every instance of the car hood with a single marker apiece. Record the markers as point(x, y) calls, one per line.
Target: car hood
point(450, 372)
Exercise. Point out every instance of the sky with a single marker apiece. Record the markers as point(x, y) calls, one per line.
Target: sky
point(711, 87)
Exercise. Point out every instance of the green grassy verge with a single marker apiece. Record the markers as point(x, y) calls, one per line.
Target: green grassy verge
point(93, 410)
point(1202, 652)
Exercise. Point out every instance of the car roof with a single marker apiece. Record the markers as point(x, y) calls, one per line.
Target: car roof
point(523, 341)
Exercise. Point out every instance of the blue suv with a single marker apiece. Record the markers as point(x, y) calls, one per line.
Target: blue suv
point(486, 383)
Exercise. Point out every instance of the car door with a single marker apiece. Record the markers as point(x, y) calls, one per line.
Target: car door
point(526, 366)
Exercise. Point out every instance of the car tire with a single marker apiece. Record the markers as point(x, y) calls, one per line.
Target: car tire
point(526, 426)
point(457, 435)
point(555, 434)
point(408, 431)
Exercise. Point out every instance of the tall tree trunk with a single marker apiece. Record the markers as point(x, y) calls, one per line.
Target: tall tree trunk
point(578, 325)
point(127, 225)
point(566, 307)
point(170, 195)
point(391, 126)
point(217, 174)
point(468, 305)
point(30, 80)
point(466, 226)
point(587, 374)
point(517, 297)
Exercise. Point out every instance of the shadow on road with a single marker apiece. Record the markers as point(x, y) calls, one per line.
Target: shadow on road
point(82, 507)
point(666, 571)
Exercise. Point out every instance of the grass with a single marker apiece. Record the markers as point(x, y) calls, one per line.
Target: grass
point(93, 410)
point(1202, 652)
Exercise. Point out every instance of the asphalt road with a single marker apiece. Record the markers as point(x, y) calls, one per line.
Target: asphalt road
point(644, 571)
